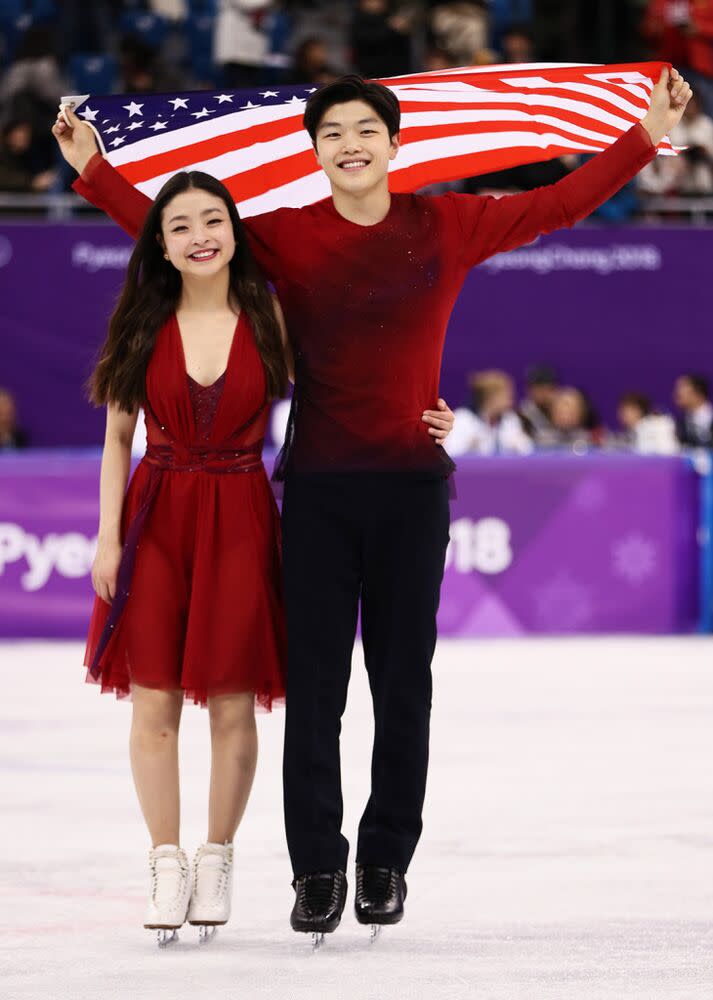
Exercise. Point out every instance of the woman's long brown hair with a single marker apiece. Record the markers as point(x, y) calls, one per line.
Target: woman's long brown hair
point(152, 292)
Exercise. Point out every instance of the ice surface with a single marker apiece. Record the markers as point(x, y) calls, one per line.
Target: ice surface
point(567, 848)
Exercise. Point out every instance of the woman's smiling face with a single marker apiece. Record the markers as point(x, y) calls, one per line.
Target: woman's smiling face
point(197, 233)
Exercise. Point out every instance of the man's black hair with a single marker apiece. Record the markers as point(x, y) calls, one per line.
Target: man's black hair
point(699, 383)
point(353, 88)
point(541, 375)
point(639, 400)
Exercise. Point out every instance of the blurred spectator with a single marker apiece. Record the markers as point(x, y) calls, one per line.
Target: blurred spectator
point(691, 395)
point(696, 162)
point(542, 385)
point(462, 31)
point(517, 44)
point(142, 70)
point(173, 10)
point(645, 431)
point(682, 32)
point(35, 74)
point(380, 40)
point(11, 436)
point(310, 63)
point(18, 171)
point(574, 424)
point(436, 59)
point(242, 41)
point(86, 27)
point(30, 90)
point(491, 426)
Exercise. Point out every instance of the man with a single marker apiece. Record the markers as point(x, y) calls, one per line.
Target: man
point(691, 395)
point(541, 384)
point(367, 281)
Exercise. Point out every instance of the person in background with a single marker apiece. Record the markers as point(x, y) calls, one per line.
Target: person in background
point(11, 436)
point(691, 394)
point(517, 44)
point(143, 70)
point(535, 409)
point(380, 40)
point(18, 170)
point(695, 133)
point(644, 430)
point(491, 426)
point(574, 424)
point(681, 31)
point(241, 41)
point(310, 63)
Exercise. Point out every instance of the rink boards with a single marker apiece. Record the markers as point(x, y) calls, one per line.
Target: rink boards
point(548, 544)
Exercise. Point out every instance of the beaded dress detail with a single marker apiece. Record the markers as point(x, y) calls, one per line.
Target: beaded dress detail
point(205, 399)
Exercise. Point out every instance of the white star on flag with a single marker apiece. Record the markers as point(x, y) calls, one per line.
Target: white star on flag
point(133, 109)
point(201, 114)
point(222, 98)
point(244, 107)
point(311, 90)
point(296, 100)
point(157, 125)
point(179, 102)
point(114, 128)
point(134, 125)
point(88, 115)
point(118, 141)
point(269, 93)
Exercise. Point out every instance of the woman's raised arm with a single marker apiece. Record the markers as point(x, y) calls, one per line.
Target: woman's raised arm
point(98, 181)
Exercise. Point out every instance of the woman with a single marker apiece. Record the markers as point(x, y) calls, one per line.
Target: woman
point(187, 569)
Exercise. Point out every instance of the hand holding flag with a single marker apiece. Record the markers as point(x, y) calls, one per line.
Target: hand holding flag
point(669, 100)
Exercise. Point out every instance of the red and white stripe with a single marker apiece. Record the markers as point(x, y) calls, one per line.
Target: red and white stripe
point(455, 123)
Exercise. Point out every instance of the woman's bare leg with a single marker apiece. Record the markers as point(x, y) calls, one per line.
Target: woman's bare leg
point(233, 736)
point(153, 748)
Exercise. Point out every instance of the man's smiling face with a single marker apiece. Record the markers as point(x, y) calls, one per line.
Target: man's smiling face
point(353, 147)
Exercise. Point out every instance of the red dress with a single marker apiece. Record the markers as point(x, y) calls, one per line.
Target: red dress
point(198, 603)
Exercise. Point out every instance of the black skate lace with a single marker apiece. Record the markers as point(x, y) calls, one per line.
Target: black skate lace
point(316, 893)
point(377, 884)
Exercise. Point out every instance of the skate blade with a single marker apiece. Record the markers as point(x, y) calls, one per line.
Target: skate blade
point(206, 933)
point(166, 936)
point(374, 933)
point(317, 940)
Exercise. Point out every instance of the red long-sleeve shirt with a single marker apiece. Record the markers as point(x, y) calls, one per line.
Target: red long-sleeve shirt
point(367, 306)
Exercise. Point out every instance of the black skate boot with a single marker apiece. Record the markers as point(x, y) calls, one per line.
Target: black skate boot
point(380, 895)
point(319, 903)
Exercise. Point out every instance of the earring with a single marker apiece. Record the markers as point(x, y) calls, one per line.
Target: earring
point(166, 257)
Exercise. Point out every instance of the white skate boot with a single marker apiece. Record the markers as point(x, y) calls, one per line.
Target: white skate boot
point(212, 888)
point(170, 892)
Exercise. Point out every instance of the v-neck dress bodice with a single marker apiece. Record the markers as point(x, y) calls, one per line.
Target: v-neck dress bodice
point(198, 604)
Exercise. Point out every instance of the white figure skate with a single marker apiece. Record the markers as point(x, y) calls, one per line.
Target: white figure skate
point(170, 892)
point(212, 889)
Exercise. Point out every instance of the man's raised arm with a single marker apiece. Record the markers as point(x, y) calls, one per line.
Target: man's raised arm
point(495, 225)
point(98, 181)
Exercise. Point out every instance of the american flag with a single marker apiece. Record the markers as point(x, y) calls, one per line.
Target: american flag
point(455, 123)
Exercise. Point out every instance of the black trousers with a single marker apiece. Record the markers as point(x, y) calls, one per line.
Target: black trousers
point(381, 540)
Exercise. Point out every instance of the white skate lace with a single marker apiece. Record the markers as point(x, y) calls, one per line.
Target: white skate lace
point(219, 884)
point(165, 880)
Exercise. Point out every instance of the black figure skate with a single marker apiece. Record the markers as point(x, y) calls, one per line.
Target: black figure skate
point(379, 898)
point(319, 904)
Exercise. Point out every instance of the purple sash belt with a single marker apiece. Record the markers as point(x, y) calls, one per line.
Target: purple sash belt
point(166, 458)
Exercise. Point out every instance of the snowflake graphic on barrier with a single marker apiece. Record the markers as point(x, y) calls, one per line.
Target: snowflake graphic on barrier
point(634, 558)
